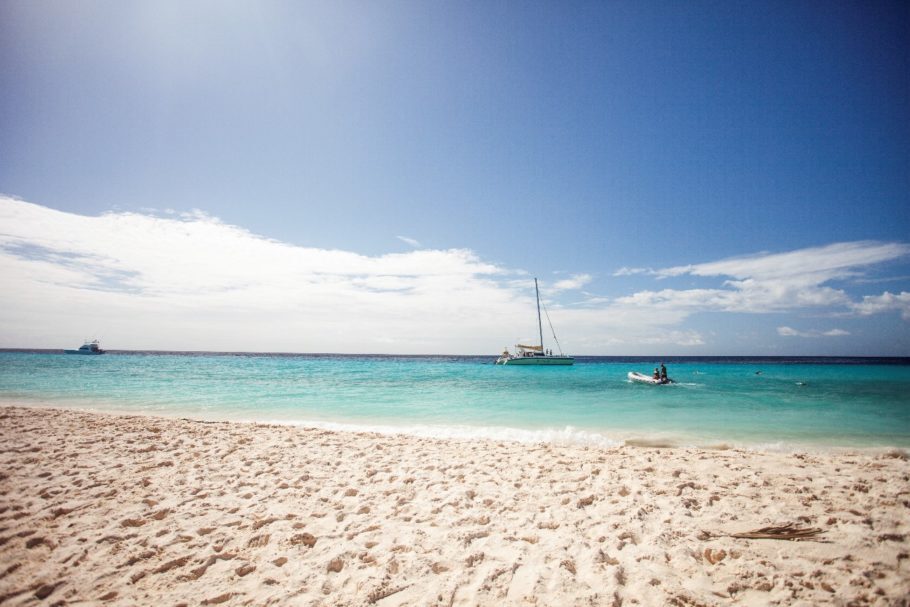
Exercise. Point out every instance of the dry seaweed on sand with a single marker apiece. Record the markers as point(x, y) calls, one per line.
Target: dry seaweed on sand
point(786, 532)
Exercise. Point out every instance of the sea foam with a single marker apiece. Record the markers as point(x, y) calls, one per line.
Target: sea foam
point(563, 436)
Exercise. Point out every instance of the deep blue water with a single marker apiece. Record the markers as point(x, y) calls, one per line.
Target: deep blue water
point(718, 400)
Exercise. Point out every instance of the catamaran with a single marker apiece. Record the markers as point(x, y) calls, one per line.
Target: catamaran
point(535, 355)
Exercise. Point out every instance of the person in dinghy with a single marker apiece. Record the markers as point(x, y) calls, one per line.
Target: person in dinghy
point(657, 378)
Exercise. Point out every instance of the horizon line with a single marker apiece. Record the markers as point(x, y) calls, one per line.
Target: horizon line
point(667, 357)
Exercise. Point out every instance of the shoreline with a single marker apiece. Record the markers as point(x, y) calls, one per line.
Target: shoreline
point(133, 509)
point(565, 436)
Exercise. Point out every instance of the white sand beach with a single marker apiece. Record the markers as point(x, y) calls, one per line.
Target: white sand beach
point(129, 510)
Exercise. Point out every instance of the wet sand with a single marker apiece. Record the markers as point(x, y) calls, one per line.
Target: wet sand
point(127, 510)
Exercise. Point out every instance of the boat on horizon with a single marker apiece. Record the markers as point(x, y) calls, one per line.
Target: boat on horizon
point(89, 347)
point(535, 355)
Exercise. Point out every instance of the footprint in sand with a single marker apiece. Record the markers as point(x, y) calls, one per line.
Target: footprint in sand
point(307, 539)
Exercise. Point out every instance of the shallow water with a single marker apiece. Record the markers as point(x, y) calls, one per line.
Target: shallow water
point(763, 403)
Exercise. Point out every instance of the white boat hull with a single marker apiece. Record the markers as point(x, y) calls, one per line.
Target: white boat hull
point(641, 378)
point(88, 348)
point(537, 360)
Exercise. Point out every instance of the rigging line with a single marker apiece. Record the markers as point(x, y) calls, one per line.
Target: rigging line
point(552, 330)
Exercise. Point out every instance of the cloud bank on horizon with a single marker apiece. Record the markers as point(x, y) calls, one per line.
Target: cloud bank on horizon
point(191, 282)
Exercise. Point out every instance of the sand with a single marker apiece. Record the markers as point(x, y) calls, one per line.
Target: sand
point(130, 510)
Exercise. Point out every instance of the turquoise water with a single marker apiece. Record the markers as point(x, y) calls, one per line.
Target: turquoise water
point(845, 403)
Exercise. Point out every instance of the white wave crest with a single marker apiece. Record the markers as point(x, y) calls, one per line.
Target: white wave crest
point(565, 436)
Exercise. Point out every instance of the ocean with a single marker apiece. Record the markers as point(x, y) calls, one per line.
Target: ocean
point(759, 403)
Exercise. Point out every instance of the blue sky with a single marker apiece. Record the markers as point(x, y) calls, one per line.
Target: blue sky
point(620, 151)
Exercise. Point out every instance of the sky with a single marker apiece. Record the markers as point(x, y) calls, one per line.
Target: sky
point(689, 178)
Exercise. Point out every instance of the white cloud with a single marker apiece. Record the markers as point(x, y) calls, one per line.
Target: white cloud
point(624, 271)
point(836, 333)
point(816, 264)
point(790, 332)
point(576, 281)
point(192, 282)
point(774, 282)
point(764, 283)
point(189, 281)
point(410, 241)
point(887, 301)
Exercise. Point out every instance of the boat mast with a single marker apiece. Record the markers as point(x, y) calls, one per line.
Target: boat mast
point(539, 325)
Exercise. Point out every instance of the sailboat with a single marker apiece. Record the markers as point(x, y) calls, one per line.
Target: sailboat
point(535, 355)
